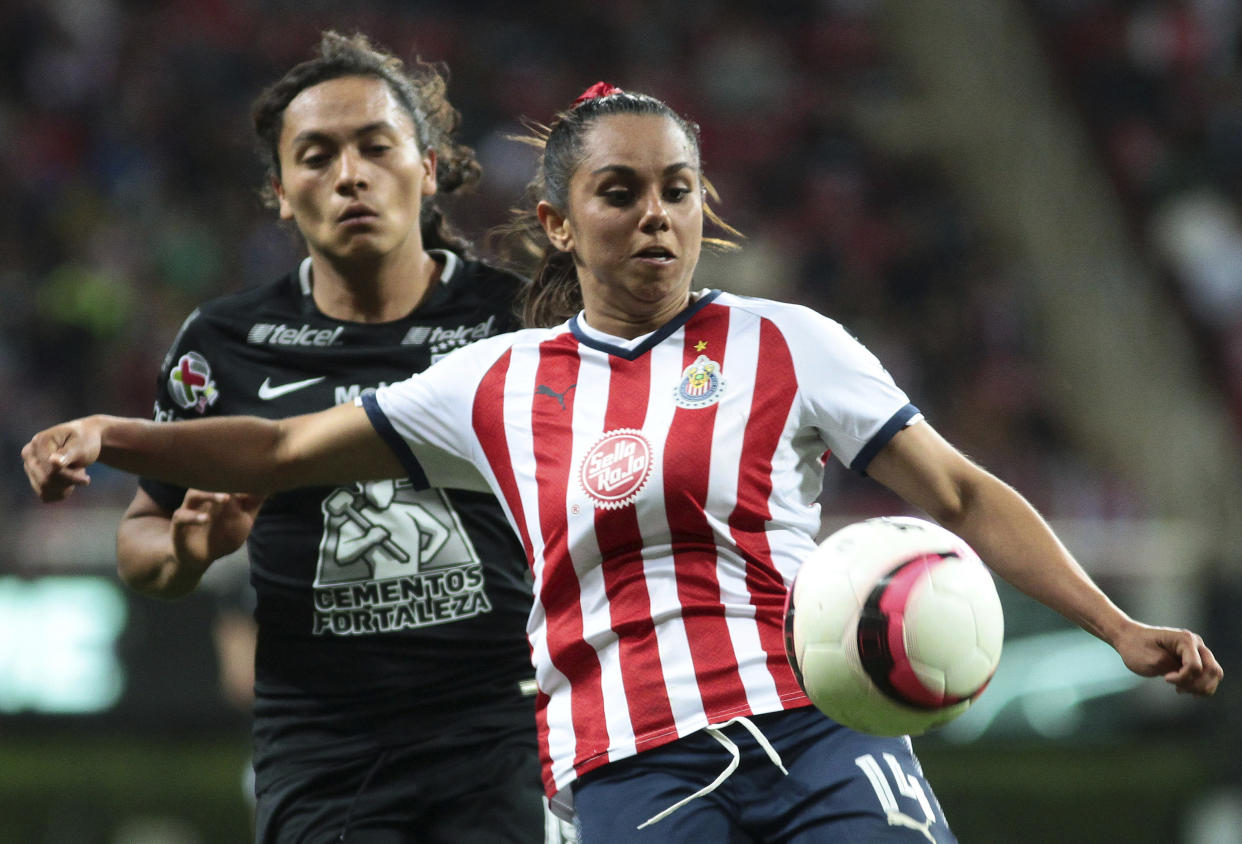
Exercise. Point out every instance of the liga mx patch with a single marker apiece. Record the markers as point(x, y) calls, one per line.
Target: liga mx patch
point(190, 383)
point(701, 384)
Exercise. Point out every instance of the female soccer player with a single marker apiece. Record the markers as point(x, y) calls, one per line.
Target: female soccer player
point(659, 454)
point(389, 699)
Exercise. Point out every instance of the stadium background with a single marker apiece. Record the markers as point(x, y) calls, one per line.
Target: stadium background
point(1028, 208)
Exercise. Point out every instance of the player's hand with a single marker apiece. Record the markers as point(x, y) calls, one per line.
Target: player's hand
point(56, 459)
point(209, 525)
point(1180, 656)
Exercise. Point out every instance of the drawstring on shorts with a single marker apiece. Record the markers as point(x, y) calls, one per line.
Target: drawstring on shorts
point(716, 732)
point(353, 804)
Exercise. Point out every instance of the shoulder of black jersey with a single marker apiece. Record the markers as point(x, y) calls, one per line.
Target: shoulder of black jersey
point(282, 297)
point(224, 316)
point(475, 273)
point(489, 283)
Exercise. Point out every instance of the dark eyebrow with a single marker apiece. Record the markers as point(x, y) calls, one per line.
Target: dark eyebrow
point(622, 170)
point(315, 135)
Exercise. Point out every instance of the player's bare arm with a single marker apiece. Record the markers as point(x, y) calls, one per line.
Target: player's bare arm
point(244, 453)
point(165, 554)
point(1016, 542)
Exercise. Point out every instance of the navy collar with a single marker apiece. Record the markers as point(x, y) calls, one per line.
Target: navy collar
point(653, 339)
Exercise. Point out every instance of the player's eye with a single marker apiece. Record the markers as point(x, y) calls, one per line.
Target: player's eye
point(618, 197)
point(676, 194)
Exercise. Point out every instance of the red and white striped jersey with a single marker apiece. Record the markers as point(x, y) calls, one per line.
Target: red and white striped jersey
point(665, 489)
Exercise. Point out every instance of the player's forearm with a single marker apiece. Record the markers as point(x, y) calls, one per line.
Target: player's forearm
point(998, 523)
point(147, 561)
point(1016, 543)
point(232, 453)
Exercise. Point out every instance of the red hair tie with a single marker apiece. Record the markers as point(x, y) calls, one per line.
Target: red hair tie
point(599, 89)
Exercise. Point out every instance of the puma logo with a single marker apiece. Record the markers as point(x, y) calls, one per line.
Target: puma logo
point(545, 390)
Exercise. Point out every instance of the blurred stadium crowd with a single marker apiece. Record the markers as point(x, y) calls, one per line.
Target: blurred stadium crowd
point(132, 187)
point(131, 192)
point(1159, 85)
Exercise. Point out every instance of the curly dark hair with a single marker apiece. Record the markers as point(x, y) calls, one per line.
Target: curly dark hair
point(421, 91)
point(554, 294)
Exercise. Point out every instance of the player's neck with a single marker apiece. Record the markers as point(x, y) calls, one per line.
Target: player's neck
point(628, 320)
point(380, 291)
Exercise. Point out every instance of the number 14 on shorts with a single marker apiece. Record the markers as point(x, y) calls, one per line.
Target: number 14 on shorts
point(908, 785)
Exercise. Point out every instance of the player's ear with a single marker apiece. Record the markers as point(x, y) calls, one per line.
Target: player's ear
point(286, 211)
point(556, 226)
point(429, 172)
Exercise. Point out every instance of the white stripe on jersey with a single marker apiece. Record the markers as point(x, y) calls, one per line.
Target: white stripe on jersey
point(741, 359)
point(584, 550)
point(674, 643)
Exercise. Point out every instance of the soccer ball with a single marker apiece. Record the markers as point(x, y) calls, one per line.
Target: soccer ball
point(893, 626)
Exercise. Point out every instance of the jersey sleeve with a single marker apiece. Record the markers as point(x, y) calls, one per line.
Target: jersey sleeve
point(427, 418)
point(184, 389)
point(848, 395)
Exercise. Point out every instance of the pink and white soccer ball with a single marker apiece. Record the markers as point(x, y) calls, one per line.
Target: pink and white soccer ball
point(893, 626)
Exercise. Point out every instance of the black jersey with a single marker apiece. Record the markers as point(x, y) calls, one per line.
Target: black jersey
point(385, 614)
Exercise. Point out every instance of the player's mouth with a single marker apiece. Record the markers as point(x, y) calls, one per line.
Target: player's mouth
point(357, 214)
point(656, 255)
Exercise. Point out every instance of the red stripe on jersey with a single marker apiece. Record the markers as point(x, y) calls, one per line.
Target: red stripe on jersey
point(552, 412)
point(776, 384)
point(687, 465)
point(487, 419)
point(620, 541)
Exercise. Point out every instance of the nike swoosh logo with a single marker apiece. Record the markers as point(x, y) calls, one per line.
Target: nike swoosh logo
point(267, 392)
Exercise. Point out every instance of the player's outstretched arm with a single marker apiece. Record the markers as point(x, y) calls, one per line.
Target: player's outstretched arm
point(165, 554)
point(227, 453)
point(1016, 542)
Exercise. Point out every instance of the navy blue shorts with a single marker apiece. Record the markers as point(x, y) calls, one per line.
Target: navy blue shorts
point(842, 786)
